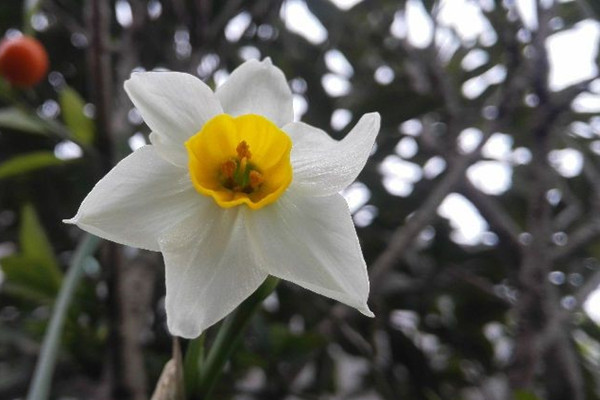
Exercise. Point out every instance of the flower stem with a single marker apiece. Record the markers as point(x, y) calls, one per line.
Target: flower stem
point(229, 336)
point(193, 364)
point(42, 376)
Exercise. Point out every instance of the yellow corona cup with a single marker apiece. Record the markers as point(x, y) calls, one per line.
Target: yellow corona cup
point(240, 160)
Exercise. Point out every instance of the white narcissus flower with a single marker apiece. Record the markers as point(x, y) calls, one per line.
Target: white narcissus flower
point(231, 191)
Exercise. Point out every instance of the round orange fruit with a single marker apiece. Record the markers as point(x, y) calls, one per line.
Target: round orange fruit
point(23, 61)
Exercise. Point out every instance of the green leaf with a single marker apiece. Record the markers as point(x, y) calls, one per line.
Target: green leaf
point(42, 376)
point(29, 162)
point(28, 279)
point(35, 244)
point(33, 273)
point(81, 126)
point(30, 7)
point(14, 118)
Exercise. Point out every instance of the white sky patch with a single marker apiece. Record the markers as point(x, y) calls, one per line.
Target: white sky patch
point(123, 13)
point(220, 76)
point(474, 59)
point(466, 18)
point(491, 177)
point(398, 27)
point(136, 141)
point(526, 10)
point(419, 27)
point(446, 42)
point(586, 103)
point(340, 118)
point(335, 85)
point(384, 75)
point(337, 63)
point(594, 124)
point(154, 9)
point(464, 218)
point(582, 129)
point(249, 53)
point(399, 175)
point(498, 146)
point(345, 4)
point(365, 216)
point(521, 156)
point(300, 106)
point(567, 162)
point(395, 166)
point(407, 147)
point(208, 64)
point(433, 167)
point(572, 54)
point(474, 87)
point(134, 117)
point(592, 306)
point(411, 127)
point(298, 19)
point(468, 139)
point(397, 186)
point(357, 195)
point(67, 150)
point(236, 27)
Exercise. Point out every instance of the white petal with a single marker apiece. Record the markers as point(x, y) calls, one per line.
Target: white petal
point(170, 150)
point(173, 104)
point(323, 166)
point(139, 198)
point(311, 241)
point(210, 269)
point(257, 87)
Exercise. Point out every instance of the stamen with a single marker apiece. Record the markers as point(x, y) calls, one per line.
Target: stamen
point(256, 179)
point(228, 169)
point(243, 150)
point(222, 165)
point(238, 174)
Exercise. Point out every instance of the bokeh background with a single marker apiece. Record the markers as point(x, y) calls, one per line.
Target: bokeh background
point(478, 212)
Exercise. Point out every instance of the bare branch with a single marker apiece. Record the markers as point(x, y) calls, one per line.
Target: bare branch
point(586, 233)
point(495, 215)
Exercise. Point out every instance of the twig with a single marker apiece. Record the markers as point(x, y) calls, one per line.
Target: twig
point(478, 282)
point(539, 319)
point(98, 25)
point(586, 233)
point(405, 235)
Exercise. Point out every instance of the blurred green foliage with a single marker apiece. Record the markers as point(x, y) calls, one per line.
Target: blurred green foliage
point(447, 311)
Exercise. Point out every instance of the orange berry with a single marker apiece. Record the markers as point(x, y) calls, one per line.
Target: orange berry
point(23, 61)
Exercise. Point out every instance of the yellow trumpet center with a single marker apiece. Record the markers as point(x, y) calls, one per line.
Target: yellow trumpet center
point(240, 160)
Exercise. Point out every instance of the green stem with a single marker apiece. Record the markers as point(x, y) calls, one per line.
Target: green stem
point(193, 363)
point(229, 336)
point(42, 376)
